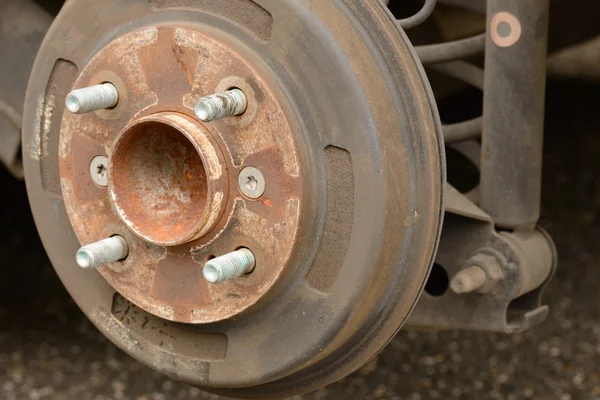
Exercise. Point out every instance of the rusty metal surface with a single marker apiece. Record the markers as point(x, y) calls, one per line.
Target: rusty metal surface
point(168, 179)
point(172, 179)
point(346, 79)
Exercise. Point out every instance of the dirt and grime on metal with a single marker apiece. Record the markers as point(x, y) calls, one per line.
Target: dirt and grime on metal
point(173, 180)
point(49, 350)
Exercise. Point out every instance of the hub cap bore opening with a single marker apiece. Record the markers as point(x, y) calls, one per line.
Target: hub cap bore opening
point(159, 182)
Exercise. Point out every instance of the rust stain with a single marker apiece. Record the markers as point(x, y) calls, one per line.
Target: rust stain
point(177, 178)
point(160, 183)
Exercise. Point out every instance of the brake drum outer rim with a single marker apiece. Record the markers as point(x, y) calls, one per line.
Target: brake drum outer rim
point(400, 58)
point(407, 94)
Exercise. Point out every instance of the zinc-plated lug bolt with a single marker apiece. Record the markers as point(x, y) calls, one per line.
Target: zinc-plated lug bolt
point(468, 280)
point(104, 252)
point(229, 266)
point(93, 98)
point(221, 105)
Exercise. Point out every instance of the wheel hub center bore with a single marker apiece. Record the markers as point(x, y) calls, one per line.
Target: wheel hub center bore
point(207, 204)
point(166, 179)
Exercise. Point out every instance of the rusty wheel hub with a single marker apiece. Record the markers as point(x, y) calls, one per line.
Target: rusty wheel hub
point(168, 180)
point(173, 191)
point(313, 179)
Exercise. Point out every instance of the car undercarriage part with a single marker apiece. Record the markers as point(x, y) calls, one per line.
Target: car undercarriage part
point(514, 100)
point(492, 256)
point(23, 25)
point(267, 166)
point(212, 178)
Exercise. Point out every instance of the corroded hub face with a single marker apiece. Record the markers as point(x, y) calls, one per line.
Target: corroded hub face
point(173, 190)
point(168, 179)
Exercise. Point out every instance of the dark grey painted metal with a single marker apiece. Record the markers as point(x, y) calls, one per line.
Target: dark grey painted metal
point(450, 51)
point(514, 304)
point(462, 71)
point(474, 76)
point(23, 25)
point(420, 17)
point(462, 131)
point(473, 5)
point(515, 81)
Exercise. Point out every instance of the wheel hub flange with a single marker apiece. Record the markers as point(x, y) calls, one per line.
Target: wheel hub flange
point(173, 190)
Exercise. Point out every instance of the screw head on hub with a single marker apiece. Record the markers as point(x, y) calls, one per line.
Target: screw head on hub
point(229, 266)
point(251, 182)
point(99, 170)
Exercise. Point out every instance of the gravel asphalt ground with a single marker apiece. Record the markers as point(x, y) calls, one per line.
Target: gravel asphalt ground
point(49, 350)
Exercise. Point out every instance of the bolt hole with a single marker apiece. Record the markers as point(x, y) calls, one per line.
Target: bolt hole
point(245, 95)
point(118, 91)
point(504, 29)
point(438, 281)
point(127, 255)
point(246, 248)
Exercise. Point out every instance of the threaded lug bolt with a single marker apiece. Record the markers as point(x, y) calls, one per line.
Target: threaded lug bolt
point(221, 105)
point(229, 266)
point(468, 280)
point(93, 98)
point(104, 252)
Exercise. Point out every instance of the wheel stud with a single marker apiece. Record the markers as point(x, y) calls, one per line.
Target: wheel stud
point(229, 266)
point(468, 280)
point(92, 98)
point(104, 252)
point(221, 105)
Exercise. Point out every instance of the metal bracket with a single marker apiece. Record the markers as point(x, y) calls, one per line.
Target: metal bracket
point(515, 303)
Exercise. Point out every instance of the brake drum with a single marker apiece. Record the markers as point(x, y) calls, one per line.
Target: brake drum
point(340, 147)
